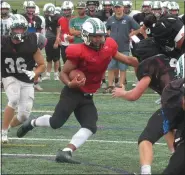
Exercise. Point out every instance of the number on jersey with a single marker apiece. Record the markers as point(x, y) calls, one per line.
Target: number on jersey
point(18, 64)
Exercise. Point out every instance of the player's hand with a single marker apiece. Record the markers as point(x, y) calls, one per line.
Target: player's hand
point(30, 74)
point(55, 46)
point(69, 37)
point(118, 92)
point(77, 83)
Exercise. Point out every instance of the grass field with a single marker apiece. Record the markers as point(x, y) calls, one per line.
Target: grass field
point(113, 150)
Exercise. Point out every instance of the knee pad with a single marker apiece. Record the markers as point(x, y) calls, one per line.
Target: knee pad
point(24, 111)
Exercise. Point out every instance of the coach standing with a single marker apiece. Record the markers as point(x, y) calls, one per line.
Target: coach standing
point(119, 27)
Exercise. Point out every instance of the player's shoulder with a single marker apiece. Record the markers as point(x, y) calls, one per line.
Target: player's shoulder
point(110, 42)
point(75, 49)
point(30, 42)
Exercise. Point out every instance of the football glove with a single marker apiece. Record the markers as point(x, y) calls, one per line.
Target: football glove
point(30, 74)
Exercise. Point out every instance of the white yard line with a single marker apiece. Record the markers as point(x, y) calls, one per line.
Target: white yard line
point(29, 155)
point(98, 141)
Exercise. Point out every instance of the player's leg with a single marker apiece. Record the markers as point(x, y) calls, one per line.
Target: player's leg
point(116, 75)
point(66, 105)
point(56, 60)
point(49, 54)
point(150, 135)
point(25, 104)
point(12, 89)
point(87, 116)
point(176, 162)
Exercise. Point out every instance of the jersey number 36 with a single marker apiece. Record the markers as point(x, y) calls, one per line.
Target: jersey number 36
point(18, 64)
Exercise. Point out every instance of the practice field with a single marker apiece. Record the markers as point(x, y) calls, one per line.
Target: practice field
point(113, 150)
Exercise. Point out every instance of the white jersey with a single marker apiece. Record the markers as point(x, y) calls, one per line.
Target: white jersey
point(43, 25)
point(5, 26)
point(133, 12)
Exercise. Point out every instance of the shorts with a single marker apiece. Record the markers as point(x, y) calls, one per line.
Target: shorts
point(114, 64)
point(51, 53)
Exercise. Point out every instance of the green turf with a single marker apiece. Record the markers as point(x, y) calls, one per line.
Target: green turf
point(119, 120)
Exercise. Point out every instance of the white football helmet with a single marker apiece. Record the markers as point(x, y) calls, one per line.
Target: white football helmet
point(157, 9)
point(127, 6)
point(18, 21)
point(57, 10)
point(173, 8)
point(37, 10)
point(49, 9)
point(5, 9)
point(67, 8)
point(93, 27)
point(146, 6)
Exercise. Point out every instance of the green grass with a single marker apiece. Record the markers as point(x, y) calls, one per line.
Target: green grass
point(119, 120)
point(18, 4)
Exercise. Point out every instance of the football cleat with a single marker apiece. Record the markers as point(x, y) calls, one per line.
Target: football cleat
point(65, 157)
point(26, 126)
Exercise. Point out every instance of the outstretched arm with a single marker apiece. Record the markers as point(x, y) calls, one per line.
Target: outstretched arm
point(135, 93)
point(131, 61)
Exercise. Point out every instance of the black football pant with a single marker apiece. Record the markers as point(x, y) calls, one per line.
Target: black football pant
point(176, 165)
point(73, 100)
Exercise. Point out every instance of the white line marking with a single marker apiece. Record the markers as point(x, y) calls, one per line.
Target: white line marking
point(99, 141)
point(29, 155)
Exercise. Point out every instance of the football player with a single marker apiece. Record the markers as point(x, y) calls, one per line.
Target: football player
point(92, 58)
point(19, 53)
point(155, 72)
point(92, 7)
point(66, 37)
point(173, 107)
point(53, 36)
point(5, 18)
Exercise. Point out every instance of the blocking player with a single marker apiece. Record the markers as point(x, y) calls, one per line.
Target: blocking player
point(92, 58)
point(155, 72)
point(19, 53)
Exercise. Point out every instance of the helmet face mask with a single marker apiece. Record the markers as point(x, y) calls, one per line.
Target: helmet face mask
point(18, 28)
point(93, 33)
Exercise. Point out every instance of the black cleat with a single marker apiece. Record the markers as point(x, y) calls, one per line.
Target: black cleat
point(26, 126)
point(65, 157)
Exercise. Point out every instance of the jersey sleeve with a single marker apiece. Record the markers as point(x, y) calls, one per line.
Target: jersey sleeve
point(134, 24)
point(145, 69)
point(73, 53)
point(113, 45)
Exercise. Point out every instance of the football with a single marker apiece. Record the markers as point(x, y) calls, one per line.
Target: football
point(76, 72)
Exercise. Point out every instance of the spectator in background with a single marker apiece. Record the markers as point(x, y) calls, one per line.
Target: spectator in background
point(76, 23)
point(34, 25)
point(53, 36)
point(66, 37)
point(119, 27)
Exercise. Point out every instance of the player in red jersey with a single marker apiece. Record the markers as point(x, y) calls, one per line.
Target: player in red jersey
point(92, 58)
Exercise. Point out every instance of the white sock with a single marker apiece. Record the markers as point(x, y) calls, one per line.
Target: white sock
point(67, 149)
point(80, 137)
point(9, 127)
point(146, 169)
point(56, 73)
point(4, 132)
point(41, 121)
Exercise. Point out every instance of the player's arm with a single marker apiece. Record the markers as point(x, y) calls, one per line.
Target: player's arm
point(64, 75)
point(131, 61)
point(57, 40)
point(135, 93)
point(39, 59)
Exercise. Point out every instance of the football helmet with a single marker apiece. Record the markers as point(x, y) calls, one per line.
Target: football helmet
point(30, 7)
point(173, 8)
point(146, 6)
point(49, 9)
point(157, 9)
point(5, 9)
point(18, 22)
point(67, 8)
point(127, 6)
point(93, 27)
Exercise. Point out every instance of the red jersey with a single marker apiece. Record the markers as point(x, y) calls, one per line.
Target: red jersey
point(64, 26)
point(91, 62)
